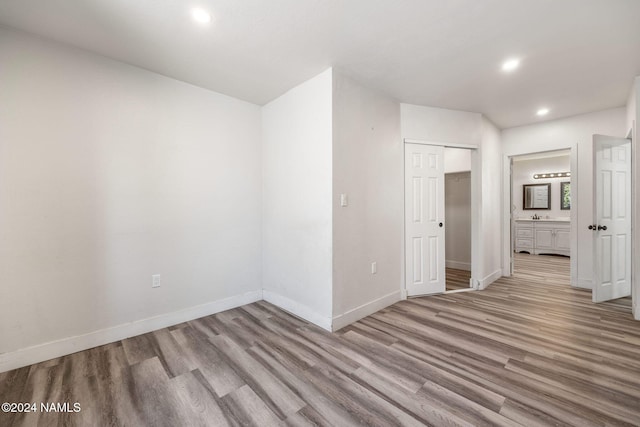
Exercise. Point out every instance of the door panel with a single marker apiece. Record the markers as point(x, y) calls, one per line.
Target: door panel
point(612, 215)
point(424, 217)
point(544, 239)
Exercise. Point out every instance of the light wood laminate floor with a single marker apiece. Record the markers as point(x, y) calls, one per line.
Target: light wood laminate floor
point(457, 279)
point(528, 351)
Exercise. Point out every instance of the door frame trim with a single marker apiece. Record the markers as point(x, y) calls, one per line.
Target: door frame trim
point(476, 212)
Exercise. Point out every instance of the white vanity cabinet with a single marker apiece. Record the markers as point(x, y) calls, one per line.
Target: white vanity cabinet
point(543, 237)
point(524, 236)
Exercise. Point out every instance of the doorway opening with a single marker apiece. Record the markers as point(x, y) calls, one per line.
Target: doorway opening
point(457, 212)
point(541, 203)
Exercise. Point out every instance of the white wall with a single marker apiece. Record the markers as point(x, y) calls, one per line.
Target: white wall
point(632, 103)
point(460, 127)
point(440, 125)
point(522, 173)
point(297, 200)
point(109, 174)
point(491, 223)
point(367, 167)
point(576, 133)
point(457, 210)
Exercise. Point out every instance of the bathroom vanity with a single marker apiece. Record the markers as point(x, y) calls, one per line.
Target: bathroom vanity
point(543, 236)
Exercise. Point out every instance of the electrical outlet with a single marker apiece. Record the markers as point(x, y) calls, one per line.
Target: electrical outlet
point(344, 200)
point(374, 267)
point(155, 281)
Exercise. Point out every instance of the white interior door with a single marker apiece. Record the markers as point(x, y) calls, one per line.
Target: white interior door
point(424, 219)
point(612, 226)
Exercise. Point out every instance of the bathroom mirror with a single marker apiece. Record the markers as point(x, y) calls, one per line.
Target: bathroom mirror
point(536, 196)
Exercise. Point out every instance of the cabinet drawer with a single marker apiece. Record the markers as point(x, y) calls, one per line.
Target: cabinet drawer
point(524, 243)
point(524, 232)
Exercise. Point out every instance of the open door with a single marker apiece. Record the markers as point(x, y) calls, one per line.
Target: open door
point(612, 214)
point(424, 219)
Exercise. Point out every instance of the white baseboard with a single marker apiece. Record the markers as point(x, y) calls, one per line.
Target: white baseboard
point(350, 316)
point(297, 309)
point(483, 283)
point(458, 265)
point(636, 311)
point(40, 353)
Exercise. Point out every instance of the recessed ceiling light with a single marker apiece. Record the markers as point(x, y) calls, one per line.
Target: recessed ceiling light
point(510, 64)
point(543, 112)
point(201, 16)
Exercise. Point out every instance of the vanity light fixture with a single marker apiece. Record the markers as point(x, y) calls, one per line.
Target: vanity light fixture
point(551, 175)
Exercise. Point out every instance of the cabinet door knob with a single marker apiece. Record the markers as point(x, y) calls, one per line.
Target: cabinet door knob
point(602, 227)
point(592, 227)
point(440, 225)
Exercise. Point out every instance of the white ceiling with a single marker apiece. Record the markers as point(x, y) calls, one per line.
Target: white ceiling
point(577, 55)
